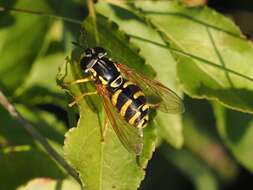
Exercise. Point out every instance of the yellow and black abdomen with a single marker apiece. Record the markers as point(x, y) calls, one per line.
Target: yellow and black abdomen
point(131, 104)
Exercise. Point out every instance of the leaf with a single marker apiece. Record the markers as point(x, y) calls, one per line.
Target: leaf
point(40, 86)
point(103, 165)
point(120, 49)
point(200, 174)
point(214, 59)
point(21, 43)
point(50, 184)
point(199, 128)
point(236, 130)
point(13, 133)
point(169, 126)
point(18, 167)
point(47, 123)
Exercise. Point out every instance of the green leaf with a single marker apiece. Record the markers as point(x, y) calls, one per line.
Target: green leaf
point(18, 166)
point(169, 126)
point(214, 60)
point(236, 130)
point(50, 184)
point(210, 150)
point(103, 165)
point(21, 43)
point(200, 174)
point(40, 86)
point(116, 43)
point(13, 133)
point(46, 123)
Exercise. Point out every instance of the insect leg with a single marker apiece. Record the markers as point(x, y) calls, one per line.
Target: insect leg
point(83, 80)
point(78, 98)
point(104, 128)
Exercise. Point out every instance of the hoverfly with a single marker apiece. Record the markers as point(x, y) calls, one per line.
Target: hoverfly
point(127, 96)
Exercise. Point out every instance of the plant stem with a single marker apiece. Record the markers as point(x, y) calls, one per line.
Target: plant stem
point(37, 136)
point(39, 13)
point(92, 13)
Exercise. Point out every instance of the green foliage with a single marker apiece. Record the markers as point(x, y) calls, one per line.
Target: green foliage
point(36, 91)
point(195, 51)
point(238, 139)
point(25, 164)
point(166, 69)
point(102, 165)
point(15, 35)
point(192, 167)
point(213, 38)
point(50, 184)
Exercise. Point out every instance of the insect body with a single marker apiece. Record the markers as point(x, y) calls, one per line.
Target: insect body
point(131, 103)
point(127, 96)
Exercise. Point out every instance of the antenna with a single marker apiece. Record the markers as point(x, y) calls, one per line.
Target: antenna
point(84, 35)
point(84, 39)
point(78, 45)
point(66, 19)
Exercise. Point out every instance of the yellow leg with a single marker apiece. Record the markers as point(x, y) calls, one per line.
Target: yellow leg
point(104, 129)
point(87, 79)
point(78, 98)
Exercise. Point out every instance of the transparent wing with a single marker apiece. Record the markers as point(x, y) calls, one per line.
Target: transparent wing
point(130, 137)
point(157, 94)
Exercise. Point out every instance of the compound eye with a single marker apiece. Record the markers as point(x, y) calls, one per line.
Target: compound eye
point(100, 55)
point(88, 52)
point(100, 52)
point(84, 63)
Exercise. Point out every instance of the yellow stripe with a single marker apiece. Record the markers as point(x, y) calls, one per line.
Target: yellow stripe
point(115, 97)
point(124, 107)
point(94, 73)
point(104, 82)
point(135, 116)
point(128, 83)
point(139, 107)
point(113, 83)
point(143, 126)
point(138, 94)
point(145, 107)
point(140, 125)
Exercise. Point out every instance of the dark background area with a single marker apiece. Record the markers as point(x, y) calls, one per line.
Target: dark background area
point(240, 11)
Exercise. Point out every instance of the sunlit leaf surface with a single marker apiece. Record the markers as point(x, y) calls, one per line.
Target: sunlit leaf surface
point(219, 64)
